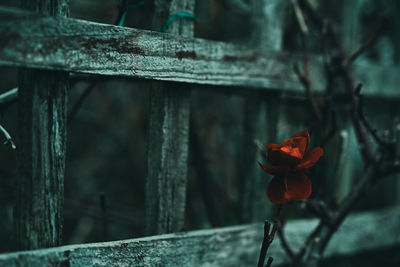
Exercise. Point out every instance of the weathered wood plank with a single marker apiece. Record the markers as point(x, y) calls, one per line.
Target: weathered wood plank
point(42, 99)
point(230, 246)
point(168, 136)
point(31, 40)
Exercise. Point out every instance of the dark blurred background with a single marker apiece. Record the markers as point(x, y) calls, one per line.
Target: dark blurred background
point(106, 152)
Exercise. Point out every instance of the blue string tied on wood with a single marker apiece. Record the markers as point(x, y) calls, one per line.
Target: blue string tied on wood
point(131, 6)
point(185, 15)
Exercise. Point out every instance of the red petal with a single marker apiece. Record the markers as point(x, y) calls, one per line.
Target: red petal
point(276, 190)
point(272, 147)
point(274, 154)
point(275, 169)
point(311, 158)
point(305, 135)
point(292, 152)
point(298, 186)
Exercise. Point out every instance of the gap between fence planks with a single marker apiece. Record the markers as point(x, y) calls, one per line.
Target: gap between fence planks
point(230, 246)
point(31, 40)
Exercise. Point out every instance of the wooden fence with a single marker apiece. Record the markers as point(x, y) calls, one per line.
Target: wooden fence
point(47, 45)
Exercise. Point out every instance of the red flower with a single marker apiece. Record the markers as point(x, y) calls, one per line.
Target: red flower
point(290, 162)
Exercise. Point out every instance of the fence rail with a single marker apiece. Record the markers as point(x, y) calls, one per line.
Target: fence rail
point(229, 246)
point(32, 40)
point(54, 46)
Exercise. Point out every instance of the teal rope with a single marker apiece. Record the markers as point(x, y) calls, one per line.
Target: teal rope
point(185, 15)
point(131, 6)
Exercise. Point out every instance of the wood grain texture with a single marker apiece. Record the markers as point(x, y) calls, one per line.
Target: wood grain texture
point(168, 137)
point(42, 98)
point(230, 246)
point(31, 40)
point(167, 158)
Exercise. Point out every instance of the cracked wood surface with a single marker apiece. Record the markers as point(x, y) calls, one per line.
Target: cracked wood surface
point(168, 133)
point(228, 246)
point(32, 40)
point(42, 109)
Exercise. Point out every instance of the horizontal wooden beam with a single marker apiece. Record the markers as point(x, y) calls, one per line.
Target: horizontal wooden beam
point(230, 246)
point(31, 40)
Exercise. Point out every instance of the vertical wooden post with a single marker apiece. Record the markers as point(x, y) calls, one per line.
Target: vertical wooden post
point(42, 104)
point(260, 119)
point(168, 135)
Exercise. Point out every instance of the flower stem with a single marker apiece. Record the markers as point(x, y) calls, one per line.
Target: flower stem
point(268, 238)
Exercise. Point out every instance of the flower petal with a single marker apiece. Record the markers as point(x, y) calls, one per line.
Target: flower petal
point(292, 152)
point(272, 147)
point(276, 190)
point(274, 170)
point(298, 186)
point(273, 154)
point(310, 158)
point(305, 140)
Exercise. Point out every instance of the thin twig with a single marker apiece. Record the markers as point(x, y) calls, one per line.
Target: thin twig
point(284, 242)
point(307, 86)
point(269, 262)
point(8, 137)
point(299, 256)
point(269, 236)
point(264, 245)
point(331, 133)
point(370, 42)
point(367, 125)
point(327, 228)
point(300, 17)
point(121, 11)
point(320, 209)
point(9, 96)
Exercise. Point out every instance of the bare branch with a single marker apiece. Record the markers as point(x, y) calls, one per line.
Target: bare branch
point(8, 137)
point(9, 96)
point(370, 42)
point(304, 79)
point(300, 17)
